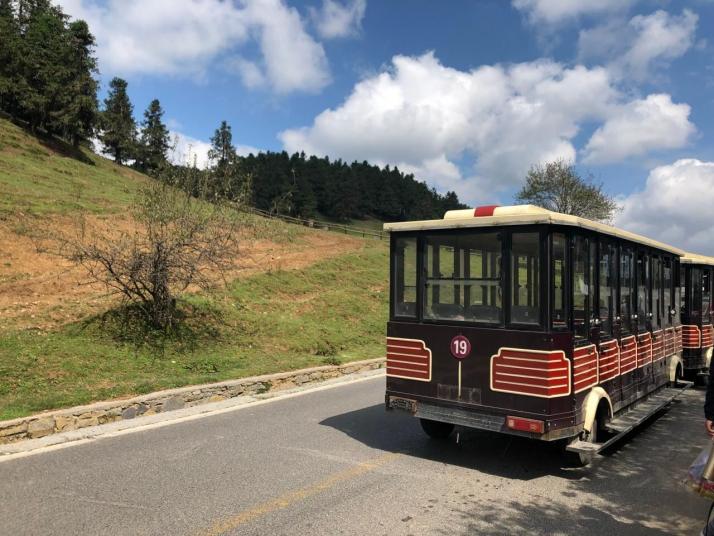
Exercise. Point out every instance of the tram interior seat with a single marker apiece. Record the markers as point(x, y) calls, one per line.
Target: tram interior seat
point(483, 313)
point(523, 314)
point(447, 310)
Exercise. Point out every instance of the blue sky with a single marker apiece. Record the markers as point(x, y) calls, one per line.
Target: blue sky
point(465, 94)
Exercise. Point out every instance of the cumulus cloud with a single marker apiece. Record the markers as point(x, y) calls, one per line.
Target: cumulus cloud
point(639, 127)
point(187, 150)
point(335, 19)
point(632, 49)
point(556, 11)
point(426, 118)
point(185, 37)
point(679, 196)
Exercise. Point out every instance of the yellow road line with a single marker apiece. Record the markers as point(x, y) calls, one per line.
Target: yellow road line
point(292, 497)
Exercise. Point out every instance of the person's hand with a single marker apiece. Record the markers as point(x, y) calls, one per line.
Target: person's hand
point(710, 427)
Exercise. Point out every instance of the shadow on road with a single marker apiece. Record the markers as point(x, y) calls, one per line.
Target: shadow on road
point(637, 488)
point(487, 452)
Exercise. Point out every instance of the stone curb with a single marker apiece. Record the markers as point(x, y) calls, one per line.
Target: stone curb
point(65, 420)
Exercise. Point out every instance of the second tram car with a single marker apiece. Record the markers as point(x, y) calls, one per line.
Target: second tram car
point(696, 313)
point(525, 321)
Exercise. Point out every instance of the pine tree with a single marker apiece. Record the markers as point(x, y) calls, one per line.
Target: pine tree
point(222, 152)
point(80, 113)
point(9, 55)
point(117, 120)
point(43, 44)
point(155, 140)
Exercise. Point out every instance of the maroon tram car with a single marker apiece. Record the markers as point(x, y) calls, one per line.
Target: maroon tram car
point(529, 322)
point(696, 314)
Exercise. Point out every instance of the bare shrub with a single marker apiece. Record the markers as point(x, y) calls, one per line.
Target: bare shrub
point(187, 236)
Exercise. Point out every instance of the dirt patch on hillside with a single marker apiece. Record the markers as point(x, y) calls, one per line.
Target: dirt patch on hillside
point(41, 290)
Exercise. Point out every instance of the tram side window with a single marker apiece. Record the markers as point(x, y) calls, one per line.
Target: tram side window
point(525, 278)
point(677, 270)
point(667, 292)
point(627, 294)
point(706, 296)
point(463, 278)
point(608, 278)
point(559, 277)
point(657, 310)
point(405, 277)
point(643, 290)
point(581, 302)
point(695, 299)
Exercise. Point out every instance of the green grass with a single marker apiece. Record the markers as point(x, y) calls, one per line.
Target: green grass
point(333, 311)
point(42, 177)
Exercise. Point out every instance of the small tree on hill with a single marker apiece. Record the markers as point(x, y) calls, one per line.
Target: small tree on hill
point(118, 133)
point(155, 140)
point(558, 187)
point(183, 240)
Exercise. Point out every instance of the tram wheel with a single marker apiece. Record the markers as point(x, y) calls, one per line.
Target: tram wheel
point(436, 429)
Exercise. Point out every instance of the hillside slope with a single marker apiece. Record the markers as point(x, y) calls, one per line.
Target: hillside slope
point(298, 296)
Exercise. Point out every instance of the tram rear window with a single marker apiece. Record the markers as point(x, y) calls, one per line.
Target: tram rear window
point(405, 277)
point(463, 278)
point(525, 279)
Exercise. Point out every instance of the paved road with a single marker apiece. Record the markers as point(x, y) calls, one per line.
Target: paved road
point(332, 462)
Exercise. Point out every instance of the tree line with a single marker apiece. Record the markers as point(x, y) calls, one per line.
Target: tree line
point(309, 186)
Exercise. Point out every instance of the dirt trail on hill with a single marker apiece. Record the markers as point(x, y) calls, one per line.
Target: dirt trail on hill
point(42, 291)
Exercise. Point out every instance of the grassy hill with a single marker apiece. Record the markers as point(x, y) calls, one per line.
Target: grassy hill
point(302, 297)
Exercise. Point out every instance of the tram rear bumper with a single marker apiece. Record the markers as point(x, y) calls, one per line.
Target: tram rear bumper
point(479, 420)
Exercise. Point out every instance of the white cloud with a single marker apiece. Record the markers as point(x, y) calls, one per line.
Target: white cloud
point(639, 127)
point(249, 71)
point(426, 118)
point(679, 197)
point(292, 59)
point(631, 49)
point(339, 20)
point(185, 37)
point(187, 150)
point(556, 11)
point(190, 151)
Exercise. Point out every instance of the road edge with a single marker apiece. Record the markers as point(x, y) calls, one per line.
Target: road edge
point(73, 419)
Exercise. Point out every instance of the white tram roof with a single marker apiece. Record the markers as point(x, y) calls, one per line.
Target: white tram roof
point(491, 216)
point(695, 258)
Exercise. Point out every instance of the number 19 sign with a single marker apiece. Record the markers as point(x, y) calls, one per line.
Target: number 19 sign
point(460, 347)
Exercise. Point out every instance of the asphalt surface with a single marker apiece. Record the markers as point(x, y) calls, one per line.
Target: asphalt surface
point(333, 462)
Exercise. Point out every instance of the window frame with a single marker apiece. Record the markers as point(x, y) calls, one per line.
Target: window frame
point(392, 278)
point(423, 272)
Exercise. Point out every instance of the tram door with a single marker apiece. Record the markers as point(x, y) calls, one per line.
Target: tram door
point(628, 322)
point(610, 321)
point(643, 373)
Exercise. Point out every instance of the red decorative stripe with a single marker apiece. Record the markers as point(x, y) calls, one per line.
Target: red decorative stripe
point(678, 339)
point(486, 210)
point(644, 349)
point(585, 369)
point(691, 337)
point(669, 341)
point(628, 354)
point(408, 359)
point(609, 360)
point(657, 345)
point(707, 336)
point(543, 374)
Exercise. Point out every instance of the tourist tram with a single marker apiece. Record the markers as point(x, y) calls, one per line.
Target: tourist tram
point(696, 314)
point(529, 322)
